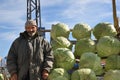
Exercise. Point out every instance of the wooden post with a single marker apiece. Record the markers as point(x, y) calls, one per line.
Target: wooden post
point(116, 22)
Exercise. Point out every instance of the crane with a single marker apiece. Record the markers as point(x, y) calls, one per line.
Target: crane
point(34, 12)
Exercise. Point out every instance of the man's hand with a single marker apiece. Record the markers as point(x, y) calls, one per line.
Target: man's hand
point(45, 74)
point(14, 77)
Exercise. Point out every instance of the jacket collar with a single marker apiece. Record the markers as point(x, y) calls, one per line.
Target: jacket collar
point(26, 36)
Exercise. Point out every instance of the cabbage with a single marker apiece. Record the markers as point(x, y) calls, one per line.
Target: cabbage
point(81, 31)
point(83, 74)
point(1, 77)
point(84, 45)
point(61, 42)
point(104, 29)
point(60, 29)
point(107, 46)
point(112, 75)
point(60, 78)
point(92, 61)
point(64, 58)
point(112, 62)
point(59, 74)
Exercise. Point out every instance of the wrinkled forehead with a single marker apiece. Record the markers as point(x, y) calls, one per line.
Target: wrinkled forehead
point(31, 26)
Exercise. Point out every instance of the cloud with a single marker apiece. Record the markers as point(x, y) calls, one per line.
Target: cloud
point(13, 15)
point(81, 8)
point(8, 35)
point(48, 24)
point(12, 18)
point(72, 12)
point(13, 4)
point(47, 3)
point(12, 11)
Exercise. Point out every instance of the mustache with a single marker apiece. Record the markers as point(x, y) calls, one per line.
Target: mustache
point(31, 31)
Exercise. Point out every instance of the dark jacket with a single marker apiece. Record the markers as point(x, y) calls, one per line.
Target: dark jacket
point(29, 55)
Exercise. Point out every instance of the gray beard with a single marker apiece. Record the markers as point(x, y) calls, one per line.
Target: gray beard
point(31, 34)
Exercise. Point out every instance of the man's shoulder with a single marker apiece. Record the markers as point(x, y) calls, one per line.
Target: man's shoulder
point(42, 39)
point(18, 39)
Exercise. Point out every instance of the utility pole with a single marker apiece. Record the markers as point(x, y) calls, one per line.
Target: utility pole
point(34, 12)
point(116, 21)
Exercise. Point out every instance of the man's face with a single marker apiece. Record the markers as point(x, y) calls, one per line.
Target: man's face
point(31, 30)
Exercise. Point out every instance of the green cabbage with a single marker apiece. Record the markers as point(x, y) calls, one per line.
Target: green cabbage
point(81, 31)
point(84, 45)
point(60, 78)
point(61, 42)
point(83, 74)
point(107, 46)
point(112, 62)
point(1, 77)
point(64, 58)
point(60, 29)
point(112, 75)
point(92, 61)
point(59, 74)
point(104, 29)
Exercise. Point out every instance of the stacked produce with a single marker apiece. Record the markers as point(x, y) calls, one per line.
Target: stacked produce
point(61, 42)
point(84, 45)
point(112, 75)
point(112, 62)
point(92, 61)
point(108, 45)
point(104, 29)
point(60, 29)
point(64, 58)
point(87, 51)
point(59, 74)
point(83, 74)
point(81, 30)
point(1, 77)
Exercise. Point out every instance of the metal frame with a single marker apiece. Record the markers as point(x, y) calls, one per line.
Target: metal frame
point(33, 11)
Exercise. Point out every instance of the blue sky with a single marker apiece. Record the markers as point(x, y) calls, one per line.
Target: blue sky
point(70, 12)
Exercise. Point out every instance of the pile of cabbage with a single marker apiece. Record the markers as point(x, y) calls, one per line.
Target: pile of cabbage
point(104, 29)
point(81, 30)
point(59, 74)
point(113, 63)
point(83, 74)
point(64, 58)
point(61, 42)
point(108, 45)
point(112, 75)
point(84, 45)
point(1, 77)
point(89, 51)
point(92, 61)
point(60, 29)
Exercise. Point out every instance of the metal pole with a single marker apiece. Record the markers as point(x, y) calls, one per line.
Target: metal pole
point(39, 7)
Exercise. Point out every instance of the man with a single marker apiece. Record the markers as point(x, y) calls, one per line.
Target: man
point(30, 56)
